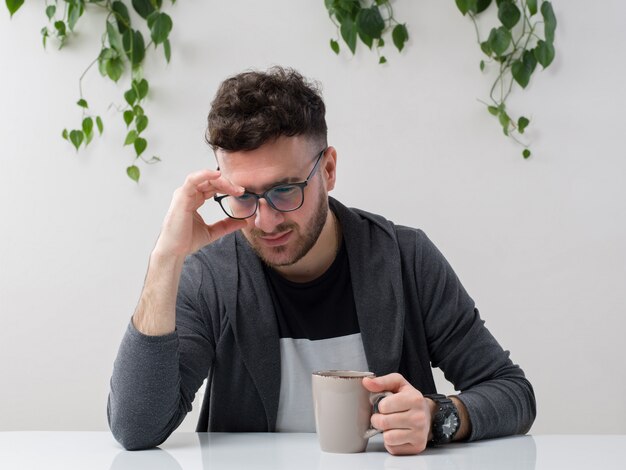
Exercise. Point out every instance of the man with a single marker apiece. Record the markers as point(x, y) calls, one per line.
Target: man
point(292, 281)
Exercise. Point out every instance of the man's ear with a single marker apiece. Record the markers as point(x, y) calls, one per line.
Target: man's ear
point(329, 168)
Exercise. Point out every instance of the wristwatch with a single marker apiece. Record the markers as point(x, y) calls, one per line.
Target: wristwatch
point(446, 421)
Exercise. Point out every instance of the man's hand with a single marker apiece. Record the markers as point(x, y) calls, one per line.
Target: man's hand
point(184, 231)
point(405, 416)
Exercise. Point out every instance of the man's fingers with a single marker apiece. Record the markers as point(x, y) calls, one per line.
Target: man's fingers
point(402, 401)
point(405, 449)
point(224, 227)
point(391, 382)
point(207, 181)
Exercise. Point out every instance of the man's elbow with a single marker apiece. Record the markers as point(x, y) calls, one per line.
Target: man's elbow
point(134, 439)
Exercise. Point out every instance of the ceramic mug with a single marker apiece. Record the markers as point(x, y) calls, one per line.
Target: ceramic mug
point(343, 408)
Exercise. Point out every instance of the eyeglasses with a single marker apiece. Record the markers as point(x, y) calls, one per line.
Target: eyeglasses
point(283, 198)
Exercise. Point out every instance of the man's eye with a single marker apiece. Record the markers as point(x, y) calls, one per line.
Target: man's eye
point(283, 190)
point(244, 197)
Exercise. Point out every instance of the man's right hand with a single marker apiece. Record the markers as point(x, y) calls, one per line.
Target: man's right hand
point(184, 231)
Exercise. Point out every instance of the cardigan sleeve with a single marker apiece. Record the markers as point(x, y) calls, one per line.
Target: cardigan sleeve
point(155, 378)
point(498, 397)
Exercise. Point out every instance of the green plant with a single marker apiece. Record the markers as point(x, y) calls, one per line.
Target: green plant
point(123, 48)
point(515, 45)
point(368, 23)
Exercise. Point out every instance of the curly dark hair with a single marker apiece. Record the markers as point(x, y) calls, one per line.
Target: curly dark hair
point(253, 108)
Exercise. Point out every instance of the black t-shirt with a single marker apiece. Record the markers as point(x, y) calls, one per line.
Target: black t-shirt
point(319, 309)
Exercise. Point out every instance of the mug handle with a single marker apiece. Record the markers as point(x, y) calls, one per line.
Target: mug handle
point(375, 400)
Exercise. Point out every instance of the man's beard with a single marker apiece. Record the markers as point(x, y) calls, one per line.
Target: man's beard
point(302, 239)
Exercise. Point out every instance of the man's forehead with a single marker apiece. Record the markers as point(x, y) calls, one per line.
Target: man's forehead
point(258, 171)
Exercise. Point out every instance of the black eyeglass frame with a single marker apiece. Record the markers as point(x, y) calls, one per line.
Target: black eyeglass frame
point(301, 185)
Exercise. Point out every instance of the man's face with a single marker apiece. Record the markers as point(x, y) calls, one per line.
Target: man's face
point(282, 238)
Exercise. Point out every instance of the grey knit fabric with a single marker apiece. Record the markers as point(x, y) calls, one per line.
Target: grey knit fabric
point(413, 313)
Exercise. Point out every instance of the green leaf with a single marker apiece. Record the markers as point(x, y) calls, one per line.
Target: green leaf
point(380, 43)
point(115, 68)
point(167, 50)
point(142, 88)
point(141, 123)
point(50, 11)
point(544, 53)
point(134, 46)
point(367, 40)
point(529, 60)
point(143, 7)
point(14, 5)
point(472, 6)
point(522, 124)
point(115, 38)
point(44, 34)
point(140, 145)
point(161, 28)
point(133, 173)
point(532, 6)
point(493, 110)
point(103, 60)
point(128, 117)
point(549, 21)
point(482, 5)
point(130, 96)
point(505, 120)
point(526, 153)
point(499, 40)
point(74, 11)
point(348, 33)
point(482, 65)
point(334, 45)
point(508, 14)
point(88, 126)
point(523, 69)
point(152, 18)
point(370, 22)
point(486, 48)
point(76, 137)
point(60, 27)
point(382, 60)
point(100, 125)
point(121, 16)
point(64, 134)
point(82, 103)
point(130, 137)
point(138, 110)
point(463, 6)
point(400, 35)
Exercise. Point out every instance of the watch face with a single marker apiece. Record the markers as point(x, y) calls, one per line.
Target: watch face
point(450, 425)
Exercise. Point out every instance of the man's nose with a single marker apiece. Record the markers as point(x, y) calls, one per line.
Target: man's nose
point(266, 217)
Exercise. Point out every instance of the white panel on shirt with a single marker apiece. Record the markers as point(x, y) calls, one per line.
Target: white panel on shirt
point(298, 359)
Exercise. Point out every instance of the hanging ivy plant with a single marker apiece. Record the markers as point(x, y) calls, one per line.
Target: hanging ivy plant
point(515, 46)
point(123, 48)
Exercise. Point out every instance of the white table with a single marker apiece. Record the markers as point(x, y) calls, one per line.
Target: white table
point(217, 451)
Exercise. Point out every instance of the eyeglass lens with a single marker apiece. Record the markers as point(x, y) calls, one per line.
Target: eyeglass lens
point(283, 198)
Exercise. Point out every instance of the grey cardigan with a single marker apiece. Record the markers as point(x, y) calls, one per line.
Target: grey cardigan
point(413, 314)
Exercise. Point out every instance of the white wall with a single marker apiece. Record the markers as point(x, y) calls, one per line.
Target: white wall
point(539, 244)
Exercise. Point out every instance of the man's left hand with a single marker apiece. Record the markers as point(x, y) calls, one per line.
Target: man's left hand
point(405, 416)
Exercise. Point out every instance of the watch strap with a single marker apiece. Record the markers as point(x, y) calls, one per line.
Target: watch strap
point(446, 412)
